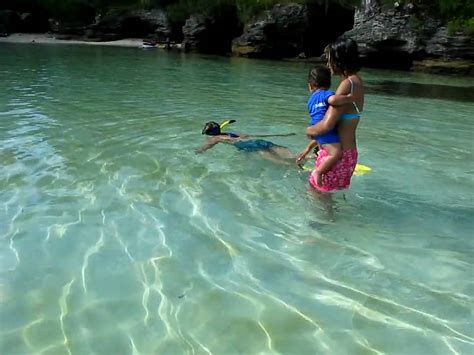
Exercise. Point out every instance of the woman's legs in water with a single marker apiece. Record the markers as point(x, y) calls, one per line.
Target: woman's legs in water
point(326, 201)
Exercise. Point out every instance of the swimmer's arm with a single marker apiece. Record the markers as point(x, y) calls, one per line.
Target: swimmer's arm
point(267, 135)
point(207, 146)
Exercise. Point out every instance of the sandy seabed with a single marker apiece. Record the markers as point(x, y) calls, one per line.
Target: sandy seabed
point(50, 39)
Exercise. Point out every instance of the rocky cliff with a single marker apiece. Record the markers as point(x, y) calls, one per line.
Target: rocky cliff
point(390, 36)
point(397, 36)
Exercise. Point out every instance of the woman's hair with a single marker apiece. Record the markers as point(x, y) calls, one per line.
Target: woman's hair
point(320, 77)
point(343, 56)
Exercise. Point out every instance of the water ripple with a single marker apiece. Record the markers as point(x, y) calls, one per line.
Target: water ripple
point(115, 236)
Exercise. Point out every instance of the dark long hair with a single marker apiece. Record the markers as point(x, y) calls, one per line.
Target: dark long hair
point(343, 56)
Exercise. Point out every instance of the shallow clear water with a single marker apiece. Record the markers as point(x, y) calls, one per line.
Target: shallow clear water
point(115, 238)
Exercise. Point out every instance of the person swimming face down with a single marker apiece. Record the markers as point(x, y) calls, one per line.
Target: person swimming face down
point(242, 142)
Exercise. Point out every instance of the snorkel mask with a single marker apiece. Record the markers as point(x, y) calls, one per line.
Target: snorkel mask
point(213, 128)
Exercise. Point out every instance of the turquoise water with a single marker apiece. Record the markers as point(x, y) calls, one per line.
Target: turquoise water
point(115, 238)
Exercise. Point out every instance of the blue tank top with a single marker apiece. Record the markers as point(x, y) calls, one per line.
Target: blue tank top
point(317, 107)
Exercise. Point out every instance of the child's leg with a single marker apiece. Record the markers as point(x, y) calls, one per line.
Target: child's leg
point(334, 151)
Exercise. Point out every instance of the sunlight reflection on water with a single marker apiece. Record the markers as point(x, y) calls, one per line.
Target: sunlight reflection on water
point(115, 236)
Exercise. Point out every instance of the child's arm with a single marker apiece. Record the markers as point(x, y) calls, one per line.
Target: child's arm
point(312, 144)
point(339, 100)
point(332, 114)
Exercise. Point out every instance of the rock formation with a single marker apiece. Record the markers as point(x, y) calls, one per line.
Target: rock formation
point(274, 33)
point(135, 24)
point(397, 36)
point(213, 32)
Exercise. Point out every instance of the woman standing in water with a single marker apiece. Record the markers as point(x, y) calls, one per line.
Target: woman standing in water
point(343, 60)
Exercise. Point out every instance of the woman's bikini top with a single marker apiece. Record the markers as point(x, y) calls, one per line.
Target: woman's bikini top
point(350, 116)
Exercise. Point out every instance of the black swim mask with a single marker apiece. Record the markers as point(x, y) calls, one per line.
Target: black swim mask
point(211, 128)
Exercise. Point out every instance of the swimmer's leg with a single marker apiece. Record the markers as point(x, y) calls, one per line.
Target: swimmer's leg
point(271, 156)
point(278, 154)
point(283, 152)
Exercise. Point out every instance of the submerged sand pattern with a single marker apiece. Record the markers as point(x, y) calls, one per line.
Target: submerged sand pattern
point(116, 239)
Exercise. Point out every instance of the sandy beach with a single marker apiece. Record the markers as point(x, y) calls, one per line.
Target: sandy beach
point(50, 39)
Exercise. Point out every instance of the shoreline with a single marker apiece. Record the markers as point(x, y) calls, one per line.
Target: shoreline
point(45, 38)
point(49, 38)
point(429, 66)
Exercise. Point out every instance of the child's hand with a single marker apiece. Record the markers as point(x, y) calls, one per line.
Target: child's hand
point(301, 157)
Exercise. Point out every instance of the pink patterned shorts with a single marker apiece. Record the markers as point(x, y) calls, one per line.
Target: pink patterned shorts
point(339, 177)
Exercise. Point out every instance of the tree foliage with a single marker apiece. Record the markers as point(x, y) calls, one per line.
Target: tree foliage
point(457, 14)
point(453, 10)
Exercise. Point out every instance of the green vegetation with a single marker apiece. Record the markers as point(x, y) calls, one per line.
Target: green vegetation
point(179, 10)
point(461, 25)
point(457, 14)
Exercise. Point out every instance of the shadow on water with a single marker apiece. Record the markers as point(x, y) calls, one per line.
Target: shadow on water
point(430, 91)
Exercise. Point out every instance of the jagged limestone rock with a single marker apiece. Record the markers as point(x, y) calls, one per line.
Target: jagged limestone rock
point(395, 36)
point(196, 33)
point(274, 33)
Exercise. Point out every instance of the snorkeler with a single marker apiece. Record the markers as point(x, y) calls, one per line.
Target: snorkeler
point(267, 149)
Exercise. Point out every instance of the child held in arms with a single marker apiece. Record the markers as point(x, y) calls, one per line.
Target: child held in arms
point(319, 82)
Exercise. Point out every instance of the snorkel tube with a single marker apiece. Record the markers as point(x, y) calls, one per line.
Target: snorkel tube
point(225, 123)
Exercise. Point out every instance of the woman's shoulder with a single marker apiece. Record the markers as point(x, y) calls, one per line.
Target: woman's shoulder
point(356, 79)
point(344, 87)
point(353, 84)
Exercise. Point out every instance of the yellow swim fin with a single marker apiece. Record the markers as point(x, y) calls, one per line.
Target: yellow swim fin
point(226, 122)
point(361, 170)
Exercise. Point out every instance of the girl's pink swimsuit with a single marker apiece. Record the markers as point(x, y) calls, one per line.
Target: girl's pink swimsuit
point(339, 177)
